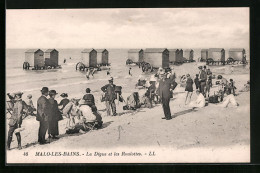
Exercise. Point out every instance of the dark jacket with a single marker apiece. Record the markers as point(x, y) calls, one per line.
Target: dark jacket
point(54, 110)
point(43, 109)
point(196, 81)
point(89, 99)
point(109, 90)
point(203, 76)
point(18, 109)
point(64, 102)
point(164, 88)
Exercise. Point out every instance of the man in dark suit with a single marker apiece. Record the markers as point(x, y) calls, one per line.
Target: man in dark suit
point(43, 111)
point(202, 80)
point(165, 89)
point(110, 96)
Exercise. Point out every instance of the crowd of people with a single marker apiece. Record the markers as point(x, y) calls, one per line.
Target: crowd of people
point(82, 114)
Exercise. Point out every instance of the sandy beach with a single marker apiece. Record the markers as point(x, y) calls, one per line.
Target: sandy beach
point(217, 134)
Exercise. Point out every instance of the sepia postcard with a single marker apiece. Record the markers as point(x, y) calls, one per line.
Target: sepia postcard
point(127, 85)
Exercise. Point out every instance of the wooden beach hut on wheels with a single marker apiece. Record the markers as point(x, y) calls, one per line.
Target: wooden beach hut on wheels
point(51, 58)
point(204, 55)
point(175, 57)
point(34, 58)
point(88, 59)
point(135, 56)
point(188, 55)
point(155, 58)
point(237, 55)
point(216, 56)
point(102, 57)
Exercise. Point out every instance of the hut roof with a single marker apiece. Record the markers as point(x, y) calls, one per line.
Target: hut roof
point(216, 49)
point(32, 50)
point(204, 50)
point(155, 50)
point(173, 50)
point(236, 49)
point(134, 50)
point(86, 50)
point(188, 50)
point(100, 50)
point(50, 50)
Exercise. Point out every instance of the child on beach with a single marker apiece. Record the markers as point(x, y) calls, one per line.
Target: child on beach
point(196, 81)
point(231, 87)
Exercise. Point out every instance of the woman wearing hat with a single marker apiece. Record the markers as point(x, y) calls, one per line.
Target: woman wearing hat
point(189, 88)
point(16, 120)
point(64, 101)
point(55, 116)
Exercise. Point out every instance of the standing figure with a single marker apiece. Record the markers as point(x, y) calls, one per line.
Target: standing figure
point(43, 112)
point(165, 89)
point(108, 71)
point(231, 87)
point(64, 101)
point(202, 80)
point(16, 120)
point(129, 72)
point(110, 97)
point(196, 81)
point(208, 84)
point(54, 116)
point(189, 88)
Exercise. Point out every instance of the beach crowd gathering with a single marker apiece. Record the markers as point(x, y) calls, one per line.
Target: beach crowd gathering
point(82, 114)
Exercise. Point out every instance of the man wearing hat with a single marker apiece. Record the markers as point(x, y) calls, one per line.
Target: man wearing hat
point(202, 80)
point(43, 112)
point(165, 89)
point(16, 119)
point(110, 96)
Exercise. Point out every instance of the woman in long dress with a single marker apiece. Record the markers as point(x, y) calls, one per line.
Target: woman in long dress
point(54, 117)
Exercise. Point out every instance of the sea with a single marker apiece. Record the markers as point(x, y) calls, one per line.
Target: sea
point(69, 80)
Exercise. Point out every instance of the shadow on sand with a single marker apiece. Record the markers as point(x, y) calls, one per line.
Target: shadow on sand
point(50, 140)
point(183, 112)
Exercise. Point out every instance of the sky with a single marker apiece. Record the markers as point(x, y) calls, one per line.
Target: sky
point(128, 28)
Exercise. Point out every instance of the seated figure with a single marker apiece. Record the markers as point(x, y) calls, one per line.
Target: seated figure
point(199, 102)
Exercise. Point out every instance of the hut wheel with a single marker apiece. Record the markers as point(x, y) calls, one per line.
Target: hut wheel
point(80, 66)
point(230, 60)
point(26, 65)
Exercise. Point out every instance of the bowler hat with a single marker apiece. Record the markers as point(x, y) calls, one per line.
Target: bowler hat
point(45, 89)
point(110, 79)
point(52, 92)
point(88, 90)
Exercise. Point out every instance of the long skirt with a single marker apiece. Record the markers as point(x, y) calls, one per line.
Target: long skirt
point(53, 128)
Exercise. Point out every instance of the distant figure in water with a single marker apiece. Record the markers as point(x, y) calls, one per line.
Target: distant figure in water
point(70, 57)
point(108, 72)
point(88, 73)
point(129, 72)
point(64, 61)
